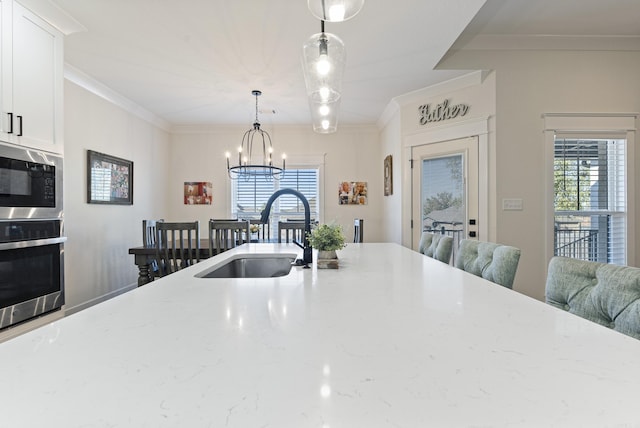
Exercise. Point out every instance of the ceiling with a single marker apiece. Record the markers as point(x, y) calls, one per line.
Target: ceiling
point(195, 62)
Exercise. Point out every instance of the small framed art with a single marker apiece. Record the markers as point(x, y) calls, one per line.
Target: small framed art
point(388, 176)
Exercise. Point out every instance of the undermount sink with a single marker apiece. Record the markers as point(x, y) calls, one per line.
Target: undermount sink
point(251, 266)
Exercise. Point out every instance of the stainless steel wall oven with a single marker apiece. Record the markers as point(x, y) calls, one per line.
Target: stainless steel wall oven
point(31, 234)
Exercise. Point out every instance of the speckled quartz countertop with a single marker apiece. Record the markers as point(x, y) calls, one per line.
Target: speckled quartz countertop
point(391, 339)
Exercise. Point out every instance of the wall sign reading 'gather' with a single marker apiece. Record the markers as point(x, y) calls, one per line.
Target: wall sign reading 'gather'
point(442, 111)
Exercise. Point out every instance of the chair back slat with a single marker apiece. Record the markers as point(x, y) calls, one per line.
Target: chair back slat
point(177, 245)
point(358, 230)
point(293, 230)
point(227, 234)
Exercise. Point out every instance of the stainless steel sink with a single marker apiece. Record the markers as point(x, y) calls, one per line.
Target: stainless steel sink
point(251, 266)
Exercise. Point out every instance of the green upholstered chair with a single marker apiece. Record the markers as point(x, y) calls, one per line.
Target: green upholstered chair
point(494, 262)
point(436, 246)
point(603, 293)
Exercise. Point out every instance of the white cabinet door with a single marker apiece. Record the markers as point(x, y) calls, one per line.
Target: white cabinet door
point(6, 82)
point(32, 80)
point(37, 81)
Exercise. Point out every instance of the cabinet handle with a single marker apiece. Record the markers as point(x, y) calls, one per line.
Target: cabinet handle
point(20, 131)
point(10, 131)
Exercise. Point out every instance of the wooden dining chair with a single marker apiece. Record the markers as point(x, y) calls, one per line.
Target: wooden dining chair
point(177, 246)
point(293, 230)
point(226, 234)
point(358, 230)
point(264, 231)
point(149, 234)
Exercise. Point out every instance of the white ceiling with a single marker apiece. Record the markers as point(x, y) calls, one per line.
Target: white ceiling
point(197, 61)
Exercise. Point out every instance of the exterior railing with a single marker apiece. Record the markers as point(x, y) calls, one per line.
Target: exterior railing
point(577, 244)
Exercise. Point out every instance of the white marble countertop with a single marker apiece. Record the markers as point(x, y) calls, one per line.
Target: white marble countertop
point(391, 339)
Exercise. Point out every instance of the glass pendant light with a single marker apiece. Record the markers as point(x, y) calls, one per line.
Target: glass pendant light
point(335, 10)
point(323, 63)
point(324, 116)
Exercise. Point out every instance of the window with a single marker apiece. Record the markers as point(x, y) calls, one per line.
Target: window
point(249, 197)
point(590, 208)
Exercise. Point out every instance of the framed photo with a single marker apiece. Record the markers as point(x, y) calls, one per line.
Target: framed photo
point(388, 176)
point(109, 179)
point(352, 193)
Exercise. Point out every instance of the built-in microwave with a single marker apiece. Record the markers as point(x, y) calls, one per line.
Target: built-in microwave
point(31, 234)
point(30, 183)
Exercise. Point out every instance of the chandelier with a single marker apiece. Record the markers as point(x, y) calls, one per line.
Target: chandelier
point(249, 166)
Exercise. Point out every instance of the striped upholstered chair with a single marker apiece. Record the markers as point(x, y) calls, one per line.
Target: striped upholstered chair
point(495, 262)
point(602, 293)
point(436, 246)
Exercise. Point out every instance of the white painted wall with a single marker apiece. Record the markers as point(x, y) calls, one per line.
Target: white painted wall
point(97, 265)
point(391, 144)
point(528, 84)
point(198, 154)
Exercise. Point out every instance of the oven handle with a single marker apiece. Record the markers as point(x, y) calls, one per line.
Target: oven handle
point(34, 243)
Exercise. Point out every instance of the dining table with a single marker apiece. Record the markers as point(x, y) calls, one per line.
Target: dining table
point(144, 255)
point(392, 338)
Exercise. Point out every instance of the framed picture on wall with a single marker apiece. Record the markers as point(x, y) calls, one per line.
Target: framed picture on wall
point(388, 176)
point(352, 193)
point(197, 193)
point(109, 179)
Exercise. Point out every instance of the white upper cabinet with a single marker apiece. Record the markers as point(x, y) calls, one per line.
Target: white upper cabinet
point(31, 79)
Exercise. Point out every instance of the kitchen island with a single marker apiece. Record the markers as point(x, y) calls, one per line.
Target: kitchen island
point(390, 339)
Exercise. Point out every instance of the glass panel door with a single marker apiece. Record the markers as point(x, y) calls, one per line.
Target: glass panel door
point(445, 189)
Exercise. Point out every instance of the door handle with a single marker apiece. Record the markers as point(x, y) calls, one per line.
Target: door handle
point(20, 127)
point(10, 131)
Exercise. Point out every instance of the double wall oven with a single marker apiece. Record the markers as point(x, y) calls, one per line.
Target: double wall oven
point(31, 234)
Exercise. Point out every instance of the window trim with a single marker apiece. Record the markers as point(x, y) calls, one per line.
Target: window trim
point(620, 125)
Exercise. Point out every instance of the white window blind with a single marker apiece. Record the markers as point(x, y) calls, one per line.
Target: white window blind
point(590, 199)
point(249, 197)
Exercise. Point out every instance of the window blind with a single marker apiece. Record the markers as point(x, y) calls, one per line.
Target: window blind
point(249, 197)
point(590, 199)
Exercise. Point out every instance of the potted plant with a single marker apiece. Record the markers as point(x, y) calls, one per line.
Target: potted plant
point(327, 238)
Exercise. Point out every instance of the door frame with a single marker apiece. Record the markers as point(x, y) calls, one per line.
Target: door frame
point(469, 128)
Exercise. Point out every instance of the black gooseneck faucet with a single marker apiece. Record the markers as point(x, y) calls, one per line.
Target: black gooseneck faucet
point(307, 257)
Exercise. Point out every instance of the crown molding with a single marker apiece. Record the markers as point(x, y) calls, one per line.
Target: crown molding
point(54, 15)
point(92, 85)
point(552, 42)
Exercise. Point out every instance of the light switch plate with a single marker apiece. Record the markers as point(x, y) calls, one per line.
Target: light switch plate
point(512, 204)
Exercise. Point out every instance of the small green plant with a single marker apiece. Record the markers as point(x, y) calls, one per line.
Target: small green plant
point(327, 237)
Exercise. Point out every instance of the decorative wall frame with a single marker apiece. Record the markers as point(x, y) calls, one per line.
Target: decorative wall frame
point(109, 179)
point(198, 193)
point(353, 193)
point(388, 176)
